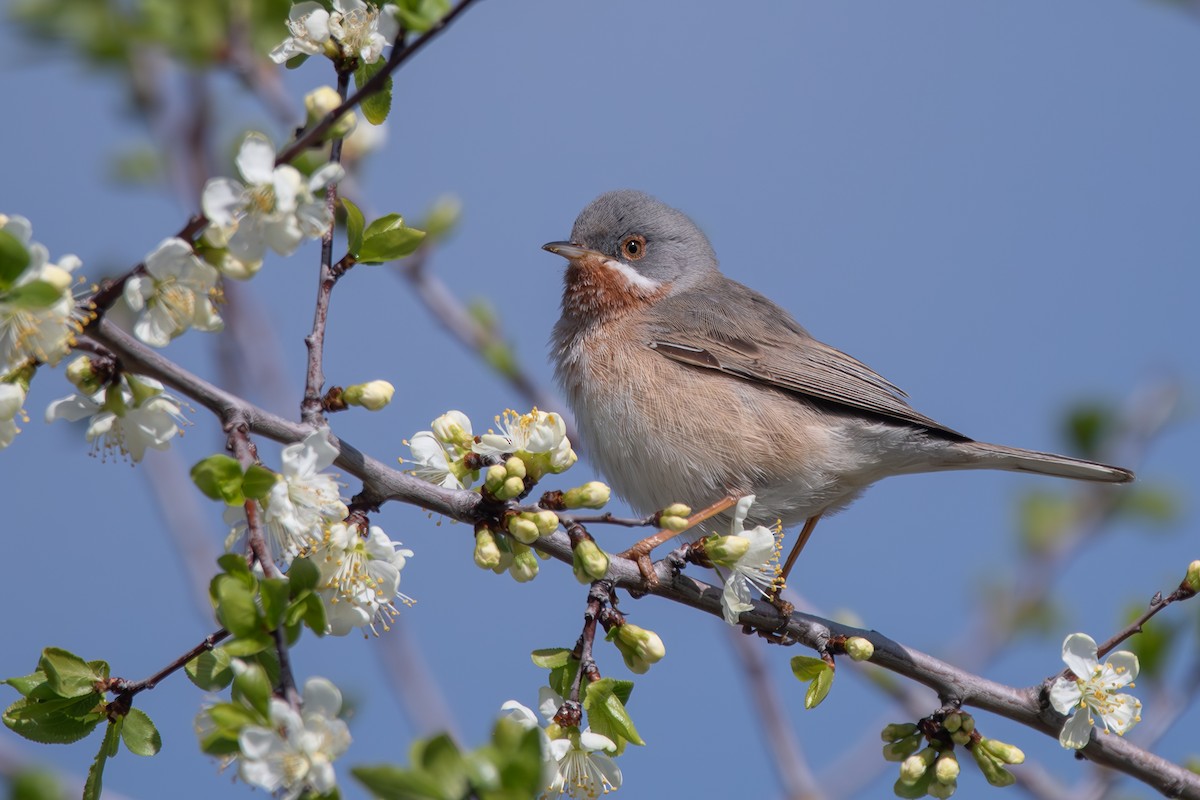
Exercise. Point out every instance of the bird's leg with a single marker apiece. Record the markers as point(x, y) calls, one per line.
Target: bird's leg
point(805, 534)
point(640, 552)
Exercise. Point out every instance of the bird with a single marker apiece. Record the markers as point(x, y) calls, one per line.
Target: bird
point(689, 387)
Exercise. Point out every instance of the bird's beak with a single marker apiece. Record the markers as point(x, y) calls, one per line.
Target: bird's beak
point(569, 250)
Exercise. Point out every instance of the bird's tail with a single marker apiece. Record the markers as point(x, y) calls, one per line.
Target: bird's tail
point(996, 456)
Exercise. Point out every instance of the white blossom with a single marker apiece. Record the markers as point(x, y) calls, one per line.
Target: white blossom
point(756, 572)
point(432, 461)
point(175, 294)
point(1094, 692)
point(38, 319)
point(304, 499)
point(296, 754)
point(360, 578)
point(535, 432)
point(123, 421)
point(276, 208)
point(12, 397)
point(363, 29)
point(308, 24)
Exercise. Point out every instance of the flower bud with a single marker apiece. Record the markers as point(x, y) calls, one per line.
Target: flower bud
point(639, 647)
point(902, 748)
point(946, 769)
point(322, 100)
point(56, 276)
point(593, 494)
point(913, 791)
point(453, 427)
point(990, 767)
point(859, 649)
point(961, 737)
point(897, 731)
point(724, 551)
point(515, 467)
point(524, 567)
point(968, 722)
point(506, 545)
point(546, 521)
point(487, 554)
point(1192, 580)
point(83, 377)
point(913, 768)
point(589, 562)
point(952, 722)
point(1003, 751)
point(941, 790)
point(512, 487)
point(495, 477)
point(677, 510)
point(372, 396)
point(524, 530)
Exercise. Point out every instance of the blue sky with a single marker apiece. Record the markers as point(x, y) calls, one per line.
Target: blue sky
point(995, 207)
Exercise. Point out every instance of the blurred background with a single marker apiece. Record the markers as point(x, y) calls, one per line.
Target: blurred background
point(993, 206)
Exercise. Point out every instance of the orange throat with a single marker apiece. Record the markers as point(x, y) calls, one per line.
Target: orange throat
point(597, 290)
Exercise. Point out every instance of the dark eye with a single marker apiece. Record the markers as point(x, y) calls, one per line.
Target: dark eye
point(634, 247)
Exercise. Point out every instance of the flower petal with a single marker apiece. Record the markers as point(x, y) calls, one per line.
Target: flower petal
point(1065, 695)
point(256, 158)
point(1079, 653)
point(1125, 665)
point(1077, 730)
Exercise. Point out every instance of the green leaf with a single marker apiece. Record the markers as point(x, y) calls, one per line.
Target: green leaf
point(236, 609)
point(93, 787)
point(806, 668)
point(562, 678)
point(251, 688)
point(354, 226)
point(606, 711)
point(1088, 426)
point(258, 481)
point(377, 106)
point(220, 478)
point(139, 734)
point(28, 684)
point(389, 782)
point(390, 245)
point(274, 594)
point(303, 575)
point(441, 758)
point(61, 721)
point(820, 677)
point(388, 222)
point(32, 783)
point(551, 657)
point(68, 674)
point(249, 645)
point(232, 717)
point(314, 614)
point(418, 16)
point(34, 295)
point(14, 258)
point(1153, 504)
point(235, 564)
point(210, 670)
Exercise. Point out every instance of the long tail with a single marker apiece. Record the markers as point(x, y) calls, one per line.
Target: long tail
point(996, 456)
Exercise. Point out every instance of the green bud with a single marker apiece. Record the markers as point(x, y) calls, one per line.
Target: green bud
point(487, 553)
point(724, 551)
point(442, 217)
point(913, 768)
point(495, 477)
point(942, 790)
point(990, 767)
point(902, 748)
point(512, 487)
point(593, 494)
point(372, 395)
point(674, 517)
point(546, 521)
point(677, 510)
point(913, 791)
point(1002, 751)
point(639, 647)
point(322, 100)
point(961, 737)
point(524, 567)
point(1192, 580)
point(506, 546)
point(589, 562)
point(522, 529)
point(946, 769)
point(897, 731)
point(968, 722)
point(82, 376)
point(952, 722)
point(859, 649)
point(515, 467)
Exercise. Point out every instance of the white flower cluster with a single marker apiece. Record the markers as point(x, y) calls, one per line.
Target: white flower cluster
point(176, 292)
point(126, 417)
point(360, 578)
point(357, 30)
point(38, 319)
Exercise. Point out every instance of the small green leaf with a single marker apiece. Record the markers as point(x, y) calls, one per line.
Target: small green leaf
point(249, 645)
point(806, 668)
point(61, 721)
point(419, 16)
point(236, 609)
point(389, 782)
point(354, 226)
point(1088, 426)
point(820, 677)
point(606, 711)
point(314, 614)
point(441, 758)
point(220, 478)
point(303, 575)
point(232, 717)
point(377, 106)
point(14, 258)
point(258, 481)
point(35, 783)
point(1154, 504)
point(251, 687)
point(388, 222)
point(234, 564)
point(28, 684)
point(210, 670)
point(390, 245)
point(274, 594)
point(551, 657)
point(68, 674)
point(561, 678)
point(33, 295)
point(139, 734)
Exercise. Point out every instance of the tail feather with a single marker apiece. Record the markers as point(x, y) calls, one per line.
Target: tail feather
point(996, 456)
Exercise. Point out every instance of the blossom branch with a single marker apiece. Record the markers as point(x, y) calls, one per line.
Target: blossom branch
point(131, 688)
point(382, 483)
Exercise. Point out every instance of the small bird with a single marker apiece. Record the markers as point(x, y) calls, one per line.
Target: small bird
point(690, 387)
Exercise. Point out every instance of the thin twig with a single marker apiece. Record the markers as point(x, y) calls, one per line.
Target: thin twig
point(129, 689)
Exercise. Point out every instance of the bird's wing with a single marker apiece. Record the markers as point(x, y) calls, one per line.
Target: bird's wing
point(739, 332)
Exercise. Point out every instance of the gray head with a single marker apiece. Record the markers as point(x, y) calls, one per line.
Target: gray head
point(649, 237)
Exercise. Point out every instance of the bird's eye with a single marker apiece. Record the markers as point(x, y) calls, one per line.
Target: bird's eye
point(634, 247)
